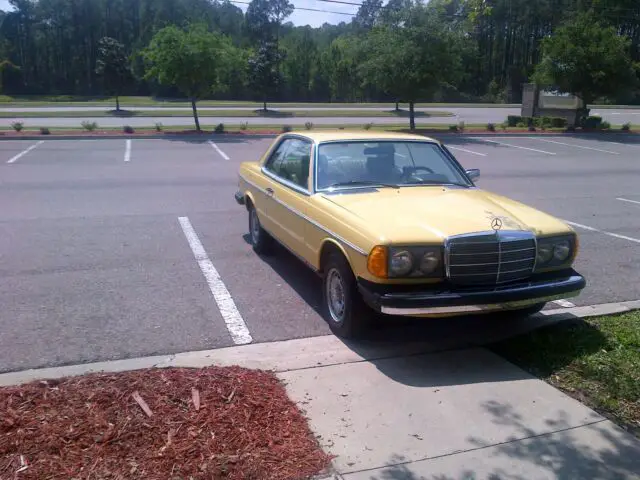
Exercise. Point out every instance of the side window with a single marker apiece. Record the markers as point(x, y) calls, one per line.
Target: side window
point(291, 160)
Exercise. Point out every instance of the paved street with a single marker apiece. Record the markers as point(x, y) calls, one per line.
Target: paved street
point(96, 265)
point(470, 115)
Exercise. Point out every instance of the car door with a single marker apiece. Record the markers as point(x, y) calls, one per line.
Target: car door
point(289, 192)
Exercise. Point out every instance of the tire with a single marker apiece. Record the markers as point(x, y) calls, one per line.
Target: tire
point(261, 241)
point(344, 308)
point(533, 309)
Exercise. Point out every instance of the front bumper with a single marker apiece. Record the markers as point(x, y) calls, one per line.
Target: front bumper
point(239, 198)
point(442, 300)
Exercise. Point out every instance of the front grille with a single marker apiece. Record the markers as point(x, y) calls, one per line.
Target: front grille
point(490, 258)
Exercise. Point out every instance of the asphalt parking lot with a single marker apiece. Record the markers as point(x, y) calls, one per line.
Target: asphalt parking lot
point(101, 242)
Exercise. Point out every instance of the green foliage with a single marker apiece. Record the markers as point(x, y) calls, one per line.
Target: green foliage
point(219, 128)
point(367, 126)
point(491, 127)
point(159, 126)
point(592, 122)
point(193, 60)
point(44, 131)
point(626, 127)
point(89, 126)
point(453, 128)
point(605, 125)
point(308, 125)
point(113, 66)
point(513, 120)
point(286, 128)
point(17, 126)
point(244, 125)
point(264, 18)
point(128, 129)
point(586, 58)
point(264, 72)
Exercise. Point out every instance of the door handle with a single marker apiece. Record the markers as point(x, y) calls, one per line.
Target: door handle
point(269, 191)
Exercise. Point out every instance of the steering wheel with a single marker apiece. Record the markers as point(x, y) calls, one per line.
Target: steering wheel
point(410, 171)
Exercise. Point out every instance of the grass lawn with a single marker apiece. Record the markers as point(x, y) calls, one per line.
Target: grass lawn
point(76, 100)
point(226, 113)
point(595, 360)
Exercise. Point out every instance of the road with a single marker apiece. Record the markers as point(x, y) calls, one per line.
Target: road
point(469, 115)
point(96, 262)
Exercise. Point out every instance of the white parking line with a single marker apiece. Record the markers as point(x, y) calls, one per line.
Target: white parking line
point(564, 303)
point(235, 323)
point(217, 149)
point(614, 235)
point(576, 146)
point(127, 151)
point(627, 200)
point(513, 146)
point(467, 151)
point(24, 152)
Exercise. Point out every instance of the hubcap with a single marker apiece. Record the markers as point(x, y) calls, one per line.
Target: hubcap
point(335, 295)
point(255, 226)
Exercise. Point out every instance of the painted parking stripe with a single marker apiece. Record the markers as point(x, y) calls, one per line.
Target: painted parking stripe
point(234, 321)
point(127, 151)
point(627, 200)
point(514, 146)
point(611, 234)
point(564, 303)
point(217, 149)
point(24, 152)
point(576, 146)
point(467, 151)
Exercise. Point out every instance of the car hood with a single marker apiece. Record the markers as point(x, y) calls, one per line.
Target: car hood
point(430, 214)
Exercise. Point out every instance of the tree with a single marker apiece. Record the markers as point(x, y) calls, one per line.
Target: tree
point(264, 75)
point(264, 18)
point(113, 66)
point(412, 62)
point(586, 59)
point(194, 60)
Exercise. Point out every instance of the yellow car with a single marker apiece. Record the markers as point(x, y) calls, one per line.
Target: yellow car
point(393, 223)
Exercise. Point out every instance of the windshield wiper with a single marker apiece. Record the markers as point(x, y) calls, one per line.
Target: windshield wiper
point(355, 183)
point(435, 182)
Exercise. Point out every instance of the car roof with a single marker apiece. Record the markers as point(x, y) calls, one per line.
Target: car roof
point(320, 136)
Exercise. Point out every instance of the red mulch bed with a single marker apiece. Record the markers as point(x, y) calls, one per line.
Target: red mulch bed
point(92, 427)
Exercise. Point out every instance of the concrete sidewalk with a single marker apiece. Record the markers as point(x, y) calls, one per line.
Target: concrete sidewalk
point(456, 415)
point(391, 410)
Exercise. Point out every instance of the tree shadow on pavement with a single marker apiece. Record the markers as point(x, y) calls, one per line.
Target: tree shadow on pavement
point(191, 136)
point(564, 451)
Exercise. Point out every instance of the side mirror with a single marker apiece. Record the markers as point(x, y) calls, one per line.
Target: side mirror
point(473, 173)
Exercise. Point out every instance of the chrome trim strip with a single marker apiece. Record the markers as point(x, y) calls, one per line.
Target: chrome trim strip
point(285, 182)
point(312, 222)
point(493, 307)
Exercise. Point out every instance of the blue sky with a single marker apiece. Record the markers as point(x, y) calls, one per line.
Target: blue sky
point(299, 17)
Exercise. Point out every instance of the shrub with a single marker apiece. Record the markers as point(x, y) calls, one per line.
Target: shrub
point(367, 126)
point(461, 125)
point(514, 120)
point(559, 122)
point(520, 125)
point(158, 127)
point(531, 128)
point(308, 125)
point(17, 126)
point(504, 126)
point(605, 125)
point(491, 127)
point(219, 128)
point(244, 125)
point(626, 127)
point(592, 122)
point(128, 129)
point(286, 128)
point(453, 128)
point(89, 126)
point(44, 131)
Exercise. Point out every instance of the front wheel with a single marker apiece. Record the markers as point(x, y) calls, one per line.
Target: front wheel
point(261, 241)
point(345, 310)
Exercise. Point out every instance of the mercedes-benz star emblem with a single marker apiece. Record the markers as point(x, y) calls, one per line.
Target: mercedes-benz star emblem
point(496, 224)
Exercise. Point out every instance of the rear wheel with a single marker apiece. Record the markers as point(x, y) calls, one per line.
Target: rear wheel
point(261, 241)
point(344, 308)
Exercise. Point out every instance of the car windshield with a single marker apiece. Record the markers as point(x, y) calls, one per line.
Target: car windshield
point(353, 164)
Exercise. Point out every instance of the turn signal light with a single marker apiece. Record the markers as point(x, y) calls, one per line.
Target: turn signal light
point(377, 262)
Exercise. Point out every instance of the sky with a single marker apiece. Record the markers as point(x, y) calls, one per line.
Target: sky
point(299, 17)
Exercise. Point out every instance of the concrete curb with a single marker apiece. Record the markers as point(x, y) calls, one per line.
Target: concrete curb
point(283, 356)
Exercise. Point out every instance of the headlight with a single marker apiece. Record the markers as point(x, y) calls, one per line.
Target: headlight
point(556, 251)
point(401, 263)
point(429, 263)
